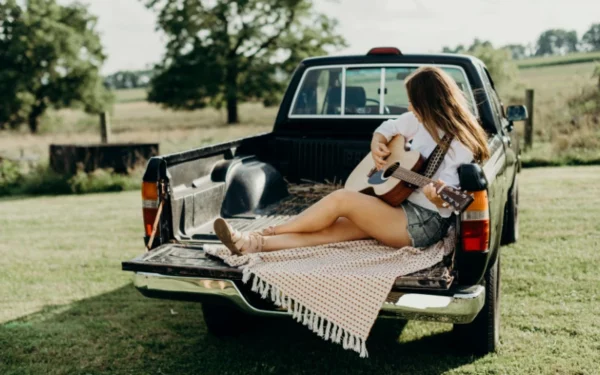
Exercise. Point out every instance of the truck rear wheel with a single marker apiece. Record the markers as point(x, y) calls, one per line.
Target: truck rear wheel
point(222, 320)
point(482, 335)
point(510, 227)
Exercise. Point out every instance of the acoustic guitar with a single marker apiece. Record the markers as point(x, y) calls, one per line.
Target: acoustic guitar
point(399, 178)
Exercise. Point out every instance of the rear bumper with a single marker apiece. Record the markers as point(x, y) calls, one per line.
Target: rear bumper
point(459, 307)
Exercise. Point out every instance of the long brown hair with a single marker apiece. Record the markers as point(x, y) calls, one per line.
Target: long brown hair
point(440, 104)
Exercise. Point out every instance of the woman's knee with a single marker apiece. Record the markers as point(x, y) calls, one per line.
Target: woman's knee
point(343, 196)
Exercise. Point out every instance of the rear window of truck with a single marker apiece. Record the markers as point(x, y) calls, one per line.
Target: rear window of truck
point(362, 91)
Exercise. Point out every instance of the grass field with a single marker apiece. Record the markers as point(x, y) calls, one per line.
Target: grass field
point(573, 58)
point(141, 122)
point(68, 309)
point(560, 132)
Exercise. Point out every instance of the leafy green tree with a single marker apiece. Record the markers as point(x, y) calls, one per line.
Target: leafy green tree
point(128, 79)
point(557, 41)
point(221, 52)
point(592, 37)
point(50, 57)
point(518, 51)
point(498, 61)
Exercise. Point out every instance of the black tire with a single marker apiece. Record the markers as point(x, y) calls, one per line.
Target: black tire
point(222, 320)
point(482, 335)
point(510, 227)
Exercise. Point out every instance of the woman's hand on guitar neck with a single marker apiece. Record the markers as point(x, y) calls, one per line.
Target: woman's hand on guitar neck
point(379, 150)
point(432, 191)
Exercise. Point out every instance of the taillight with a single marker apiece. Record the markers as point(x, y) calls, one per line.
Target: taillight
point(475, 224)
point(149, 205)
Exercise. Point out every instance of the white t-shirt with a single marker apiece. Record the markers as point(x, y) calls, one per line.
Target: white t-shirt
point(408, 125)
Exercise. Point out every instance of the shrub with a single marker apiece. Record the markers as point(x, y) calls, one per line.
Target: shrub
point(103, 180)
point(10, 176)
point(44, 181)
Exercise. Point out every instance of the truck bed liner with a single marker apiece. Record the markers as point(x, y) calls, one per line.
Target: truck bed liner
point(301, 197)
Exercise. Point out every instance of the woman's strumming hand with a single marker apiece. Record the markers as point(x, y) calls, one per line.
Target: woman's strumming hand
point(431, 192)
point(379, 150)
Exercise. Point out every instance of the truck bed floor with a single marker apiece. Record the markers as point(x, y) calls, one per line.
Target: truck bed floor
point(189, 259)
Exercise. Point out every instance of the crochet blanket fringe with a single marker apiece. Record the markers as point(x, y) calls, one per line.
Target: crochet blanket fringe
point(324, 328)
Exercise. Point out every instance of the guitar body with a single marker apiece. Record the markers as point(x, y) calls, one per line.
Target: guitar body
point(366, 179)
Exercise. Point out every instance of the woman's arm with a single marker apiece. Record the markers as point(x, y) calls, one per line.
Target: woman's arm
point(406, 124)
point(379, 150)
point(456, 156)
point(431, 192)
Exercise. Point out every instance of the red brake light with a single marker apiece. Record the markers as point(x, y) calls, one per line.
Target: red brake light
point(149, 205)
point(384, 51)
point(475, 224)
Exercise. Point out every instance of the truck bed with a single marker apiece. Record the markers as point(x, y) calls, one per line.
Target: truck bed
point(189, 259)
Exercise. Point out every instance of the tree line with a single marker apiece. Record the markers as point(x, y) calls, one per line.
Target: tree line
point(549, 43)
point(128, 79)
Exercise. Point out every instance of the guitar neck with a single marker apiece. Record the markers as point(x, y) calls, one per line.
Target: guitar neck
point(411, 177)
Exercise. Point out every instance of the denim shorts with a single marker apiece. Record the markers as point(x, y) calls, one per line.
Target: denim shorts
point(425, 227)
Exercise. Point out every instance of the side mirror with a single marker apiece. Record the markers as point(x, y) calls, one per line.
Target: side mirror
point(516, 113)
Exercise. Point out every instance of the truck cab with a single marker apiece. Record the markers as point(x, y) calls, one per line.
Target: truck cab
point(322, 130)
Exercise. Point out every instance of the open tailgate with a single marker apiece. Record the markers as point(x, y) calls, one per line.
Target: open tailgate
point(190, 260)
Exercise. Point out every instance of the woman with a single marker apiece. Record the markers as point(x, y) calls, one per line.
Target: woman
point(437, 106)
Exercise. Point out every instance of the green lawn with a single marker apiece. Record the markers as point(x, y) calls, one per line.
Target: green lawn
point(68, 309)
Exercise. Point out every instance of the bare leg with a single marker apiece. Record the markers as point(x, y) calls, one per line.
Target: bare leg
point(342, 230)
point(369, 217)
point(317, 217)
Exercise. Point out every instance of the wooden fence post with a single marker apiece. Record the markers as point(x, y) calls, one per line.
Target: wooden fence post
point(105, 135)
point(529, 121)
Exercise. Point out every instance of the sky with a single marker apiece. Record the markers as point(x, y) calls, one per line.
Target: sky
point(128, 29)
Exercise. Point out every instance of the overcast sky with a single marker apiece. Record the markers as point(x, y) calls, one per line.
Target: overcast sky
point(131, 42)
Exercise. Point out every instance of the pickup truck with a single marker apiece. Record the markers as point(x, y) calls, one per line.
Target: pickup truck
point(322, 130)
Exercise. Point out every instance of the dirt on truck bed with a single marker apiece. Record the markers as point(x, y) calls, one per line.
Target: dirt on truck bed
point(189, 259)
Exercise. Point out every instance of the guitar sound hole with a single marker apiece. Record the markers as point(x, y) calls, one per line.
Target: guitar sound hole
point(390, 171)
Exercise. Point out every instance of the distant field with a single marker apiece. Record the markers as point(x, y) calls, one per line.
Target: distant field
point(139, 121)
point(130, 95)
point(557, 128)
point(574, 58)
point(67, 308)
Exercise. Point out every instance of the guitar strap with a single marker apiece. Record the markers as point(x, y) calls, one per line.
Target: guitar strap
point(437, 156)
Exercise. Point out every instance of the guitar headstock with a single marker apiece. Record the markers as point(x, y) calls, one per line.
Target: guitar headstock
point(456, 199)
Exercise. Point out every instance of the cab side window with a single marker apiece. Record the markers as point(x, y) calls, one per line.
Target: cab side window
point(495, 99)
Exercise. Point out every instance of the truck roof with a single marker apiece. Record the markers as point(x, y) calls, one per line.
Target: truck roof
point(434, 58)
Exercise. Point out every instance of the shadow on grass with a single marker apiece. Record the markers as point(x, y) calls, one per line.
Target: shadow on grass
point(123, 332)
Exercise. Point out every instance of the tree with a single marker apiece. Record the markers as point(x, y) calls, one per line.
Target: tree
point(499, 61)
point(517, 51)
point(557, 41)
point(50, 57)
point(592, 37)
point(225, 51)
point(128, 79)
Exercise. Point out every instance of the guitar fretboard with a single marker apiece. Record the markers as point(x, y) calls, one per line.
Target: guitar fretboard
point(411, 177)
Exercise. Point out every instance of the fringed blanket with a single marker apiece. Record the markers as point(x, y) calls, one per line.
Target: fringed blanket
point(336, 290)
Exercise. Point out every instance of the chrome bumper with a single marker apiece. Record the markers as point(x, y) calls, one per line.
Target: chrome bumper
point(461, 307)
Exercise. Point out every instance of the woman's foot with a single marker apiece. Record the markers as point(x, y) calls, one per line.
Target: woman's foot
point(239, 243)
point(268, 231)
